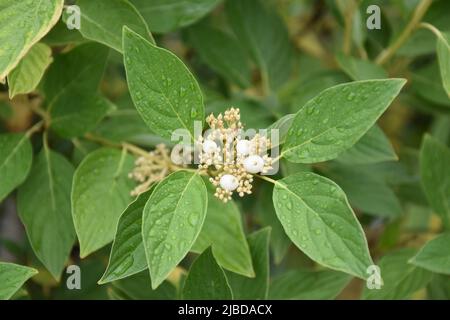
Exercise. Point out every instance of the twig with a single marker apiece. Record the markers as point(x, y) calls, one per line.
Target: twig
point(348, 28)
point(267, 179)
point(432, 28)
point(417, 16)
point(38, 126)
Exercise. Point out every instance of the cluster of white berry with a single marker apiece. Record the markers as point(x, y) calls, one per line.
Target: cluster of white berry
point(235, 159)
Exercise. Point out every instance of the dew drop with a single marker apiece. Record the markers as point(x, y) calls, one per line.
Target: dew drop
point(193, 112)
point(182, 92)
point(289, 205)
point(192, 219)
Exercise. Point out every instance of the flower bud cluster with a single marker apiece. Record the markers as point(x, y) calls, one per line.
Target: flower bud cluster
point(151, 168)
point(232, 160)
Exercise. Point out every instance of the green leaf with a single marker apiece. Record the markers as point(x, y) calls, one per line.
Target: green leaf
point(428, 85)
point(26, 76)
point(282, 125)
point(123, 125)
point(60, 35)
point(312, 85)
point(263, 33)
point(400, 279)
point(100, 193)
point(15, 161)
point(254, 288)
point(80, 116)
point(366, 190)
point(435, 173)
point(71, 86)
point(443, 53)
point(308, 285)
point(44, 208)
point(358, 69)
point(221, 52)
point(337, 118)
point(137, 287)
point(103, 20)
point(439, 288)
point(79, 70)
point(167, 15)
point(172, 220)
point(12, 277)
point(164, 91)
point(279, 241)
point(127, 253)
point(435, 255)
point(24, 23)
point(206, 280)
point(316, 216)
point(223, 231)
point(373, 147)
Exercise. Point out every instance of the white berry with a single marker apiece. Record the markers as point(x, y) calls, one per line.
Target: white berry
point(209, 146)
point(253, 164)
point(229, 182)
point(243, 147)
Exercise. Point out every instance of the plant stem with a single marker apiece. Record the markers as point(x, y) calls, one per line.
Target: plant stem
point(40, 112)
point(418, 14)
point(133, 149)
point(101, 140)
point(265, 85)
point(124, 145)
point(267, 179)
point(78, 145)
point(277, 158)
point(348, 28)
point(38, 126)
point(432, 28)
point(45, 140)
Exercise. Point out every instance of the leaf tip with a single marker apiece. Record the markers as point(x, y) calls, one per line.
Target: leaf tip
point(401, 81)
point(83, 253)
point(156, 283)
point(33, 271)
